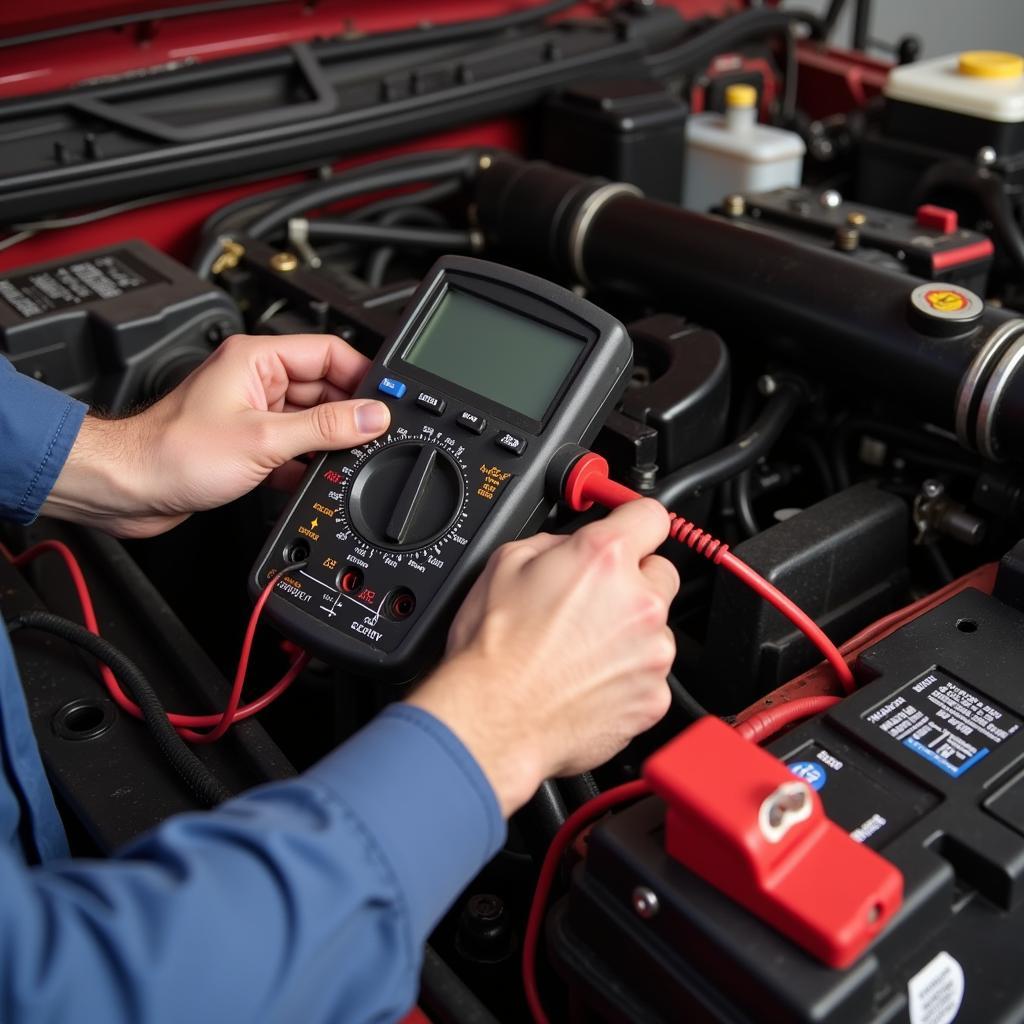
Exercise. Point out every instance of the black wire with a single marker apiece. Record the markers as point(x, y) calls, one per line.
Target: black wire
point(744, 452)
point(726, 34)
point(835, 9)
point(792, 72)
point(201, 782)
point(915, 444)
point(684, 701)
point(744, 503)
point(380, 258)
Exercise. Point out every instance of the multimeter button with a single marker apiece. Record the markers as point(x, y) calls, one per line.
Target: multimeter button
point(431, 403)
point(472, 421)
point(516, 445)
point(392, 387)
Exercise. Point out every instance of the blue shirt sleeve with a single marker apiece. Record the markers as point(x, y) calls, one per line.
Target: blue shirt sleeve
point(37, 428)
point(306, 900)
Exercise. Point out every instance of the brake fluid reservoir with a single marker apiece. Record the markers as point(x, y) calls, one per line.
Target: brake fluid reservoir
point(731, 152)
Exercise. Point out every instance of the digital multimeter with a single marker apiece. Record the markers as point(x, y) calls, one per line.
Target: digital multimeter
point(489, 376)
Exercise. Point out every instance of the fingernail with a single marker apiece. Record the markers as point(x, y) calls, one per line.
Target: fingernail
point(372, 417)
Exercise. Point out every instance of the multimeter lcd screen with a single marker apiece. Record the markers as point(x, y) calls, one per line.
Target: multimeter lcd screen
point(494, 352)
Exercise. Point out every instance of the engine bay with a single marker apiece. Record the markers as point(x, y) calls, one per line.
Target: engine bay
point(818, 257)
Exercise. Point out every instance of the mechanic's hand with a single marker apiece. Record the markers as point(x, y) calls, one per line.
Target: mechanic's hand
point(559, 655)
point(254, 405)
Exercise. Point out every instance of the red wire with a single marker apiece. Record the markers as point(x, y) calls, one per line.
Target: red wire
point(757, 728)
point(588, 483)
point(765, 724)
point(574, 824)
point(219, 722)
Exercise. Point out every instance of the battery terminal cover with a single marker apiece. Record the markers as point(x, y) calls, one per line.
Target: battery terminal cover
point(738, 819)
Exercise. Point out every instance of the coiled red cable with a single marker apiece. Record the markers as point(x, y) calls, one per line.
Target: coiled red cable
point(217, 723)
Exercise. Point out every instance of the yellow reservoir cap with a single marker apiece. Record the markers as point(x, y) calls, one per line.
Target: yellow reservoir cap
point(740, 95)
point(991, 64)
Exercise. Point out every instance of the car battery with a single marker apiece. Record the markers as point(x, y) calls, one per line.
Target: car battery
point(924, 764)
point(114, 327)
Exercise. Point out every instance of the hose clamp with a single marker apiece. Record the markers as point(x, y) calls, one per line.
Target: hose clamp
point(585, 215)
point(989, 374)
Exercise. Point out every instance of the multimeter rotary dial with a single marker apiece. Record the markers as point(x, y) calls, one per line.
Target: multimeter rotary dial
point(407, 495)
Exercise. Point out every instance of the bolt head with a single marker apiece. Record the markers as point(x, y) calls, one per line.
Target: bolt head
point(932, 488)
point(830, 198)
point(284, 262)
point(986, 156)
point(645, 902)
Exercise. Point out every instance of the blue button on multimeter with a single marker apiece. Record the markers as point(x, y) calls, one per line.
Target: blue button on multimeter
point(392, 387)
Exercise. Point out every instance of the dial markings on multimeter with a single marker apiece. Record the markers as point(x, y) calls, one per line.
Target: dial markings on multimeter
point(516, 369)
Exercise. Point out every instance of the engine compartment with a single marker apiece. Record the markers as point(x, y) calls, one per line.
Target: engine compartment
point(826, 376)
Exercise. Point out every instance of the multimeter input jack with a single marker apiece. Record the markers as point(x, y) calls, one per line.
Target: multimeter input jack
point(401, 603)
point(297, 551)
point(350, 579)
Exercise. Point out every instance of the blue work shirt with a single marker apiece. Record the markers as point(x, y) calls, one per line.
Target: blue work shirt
point(301, 901)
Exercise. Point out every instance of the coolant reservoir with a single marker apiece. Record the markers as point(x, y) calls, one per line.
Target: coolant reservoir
point(733, 153)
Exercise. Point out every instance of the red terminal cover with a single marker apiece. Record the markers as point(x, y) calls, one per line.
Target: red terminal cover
point(938, 218)
point(739, 819)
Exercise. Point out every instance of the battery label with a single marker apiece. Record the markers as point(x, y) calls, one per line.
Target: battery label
point(86, 280)
point(944, 721)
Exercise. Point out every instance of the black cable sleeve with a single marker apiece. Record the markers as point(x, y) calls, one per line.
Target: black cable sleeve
point(201, 782)
point(578, 789)
point(412, 237)
point(684, 701)
point(728, 33)
point(728, 462)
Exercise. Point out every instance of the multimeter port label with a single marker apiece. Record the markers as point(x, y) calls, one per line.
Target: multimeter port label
point(941, 719)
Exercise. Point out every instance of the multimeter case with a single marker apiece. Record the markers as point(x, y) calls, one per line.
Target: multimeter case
point(513, 507)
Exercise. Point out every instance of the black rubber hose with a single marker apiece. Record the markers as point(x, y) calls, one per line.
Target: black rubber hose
point(394, 172)
point(578, 789)
point(201, 782)
point(732, 460)
point(382, 234)
point(728, 33)
point(684, 701)
point(543, 816)
point(446, 996)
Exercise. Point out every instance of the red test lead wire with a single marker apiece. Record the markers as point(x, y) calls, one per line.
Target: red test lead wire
point(588, 483)
point(219, 722)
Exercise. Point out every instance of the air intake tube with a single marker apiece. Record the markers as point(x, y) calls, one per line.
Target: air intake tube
point(850, 320)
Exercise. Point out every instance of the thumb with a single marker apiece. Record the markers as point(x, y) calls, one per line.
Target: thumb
point(329, 426)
